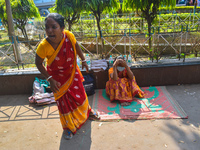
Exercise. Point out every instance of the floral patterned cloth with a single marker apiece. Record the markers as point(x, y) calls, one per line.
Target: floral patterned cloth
point(122, 89)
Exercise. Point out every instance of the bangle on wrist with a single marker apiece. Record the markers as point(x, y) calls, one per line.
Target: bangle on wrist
point(49, 78)
point(83, 61)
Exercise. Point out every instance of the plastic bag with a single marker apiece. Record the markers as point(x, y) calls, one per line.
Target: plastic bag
point(40, 86)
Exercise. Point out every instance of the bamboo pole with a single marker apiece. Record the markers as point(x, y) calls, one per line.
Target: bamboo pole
point(12, 32)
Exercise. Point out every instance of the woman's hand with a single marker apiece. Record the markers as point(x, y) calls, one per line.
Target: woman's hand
point(123, 63)
point(120, 62)
point(54, 85)
point(84, 65)
point(116, 63)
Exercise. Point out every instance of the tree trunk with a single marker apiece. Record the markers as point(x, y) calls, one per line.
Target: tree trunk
point(149, 34)
point(100, 35)
point(21, 27)
point(69, 26)
point(26, 37)
point(136, 13)
point(12, 32)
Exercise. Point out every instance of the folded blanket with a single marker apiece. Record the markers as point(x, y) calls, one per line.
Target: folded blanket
point(99, 64)
point(42, 98)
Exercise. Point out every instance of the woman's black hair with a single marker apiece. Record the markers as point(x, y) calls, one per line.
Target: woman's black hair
point(118, 57)
point(57, 17)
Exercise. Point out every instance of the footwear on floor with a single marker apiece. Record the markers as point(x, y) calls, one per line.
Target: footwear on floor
point(68, 135)
point(94, 116)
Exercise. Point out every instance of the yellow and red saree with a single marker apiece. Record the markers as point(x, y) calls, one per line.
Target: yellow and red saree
point(123, 89)
point(71, 99)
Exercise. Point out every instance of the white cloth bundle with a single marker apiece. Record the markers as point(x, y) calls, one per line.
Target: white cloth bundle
point(42, 98)
point(99, 64)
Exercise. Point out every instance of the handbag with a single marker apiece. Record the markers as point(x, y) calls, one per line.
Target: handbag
point(89, 84)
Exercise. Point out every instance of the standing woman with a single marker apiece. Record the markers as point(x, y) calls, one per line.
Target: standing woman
point(61, 49)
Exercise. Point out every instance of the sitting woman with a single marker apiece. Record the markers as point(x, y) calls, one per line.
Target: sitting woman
point(122, 86)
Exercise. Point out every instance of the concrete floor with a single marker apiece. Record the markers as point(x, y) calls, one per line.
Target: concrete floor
point(25, 127)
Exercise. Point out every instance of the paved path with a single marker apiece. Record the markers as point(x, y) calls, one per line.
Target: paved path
point(25, 127)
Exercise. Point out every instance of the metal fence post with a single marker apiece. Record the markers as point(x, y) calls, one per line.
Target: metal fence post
point(180, 44)
point(12, 31)
point(125, 41)
point(97, 45)
point(14, 51)
point(185, 45)
point(129, 42)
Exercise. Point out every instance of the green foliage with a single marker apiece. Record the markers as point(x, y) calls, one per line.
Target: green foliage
point(3, 14)
point(4, 38)
point(143, 4)
point(98, 7)
point(39, 23)
point(22, 10)
point(149, 9)
point(182, 9)
point(70, 9)
point(164, 22)
point(106, 24)
point(2, 9)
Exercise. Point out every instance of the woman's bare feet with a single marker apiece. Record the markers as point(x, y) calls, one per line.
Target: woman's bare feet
point(94, 115)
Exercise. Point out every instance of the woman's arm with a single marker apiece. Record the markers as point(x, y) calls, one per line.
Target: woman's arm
point(80, 54)
point(114, 76)
point(39, 64)
point(129, 72)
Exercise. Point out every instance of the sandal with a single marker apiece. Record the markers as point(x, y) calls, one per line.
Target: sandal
point(94, 116)
point(68, 135)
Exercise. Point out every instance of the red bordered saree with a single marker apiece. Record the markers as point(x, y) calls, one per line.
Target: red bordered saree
point(71, 99)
